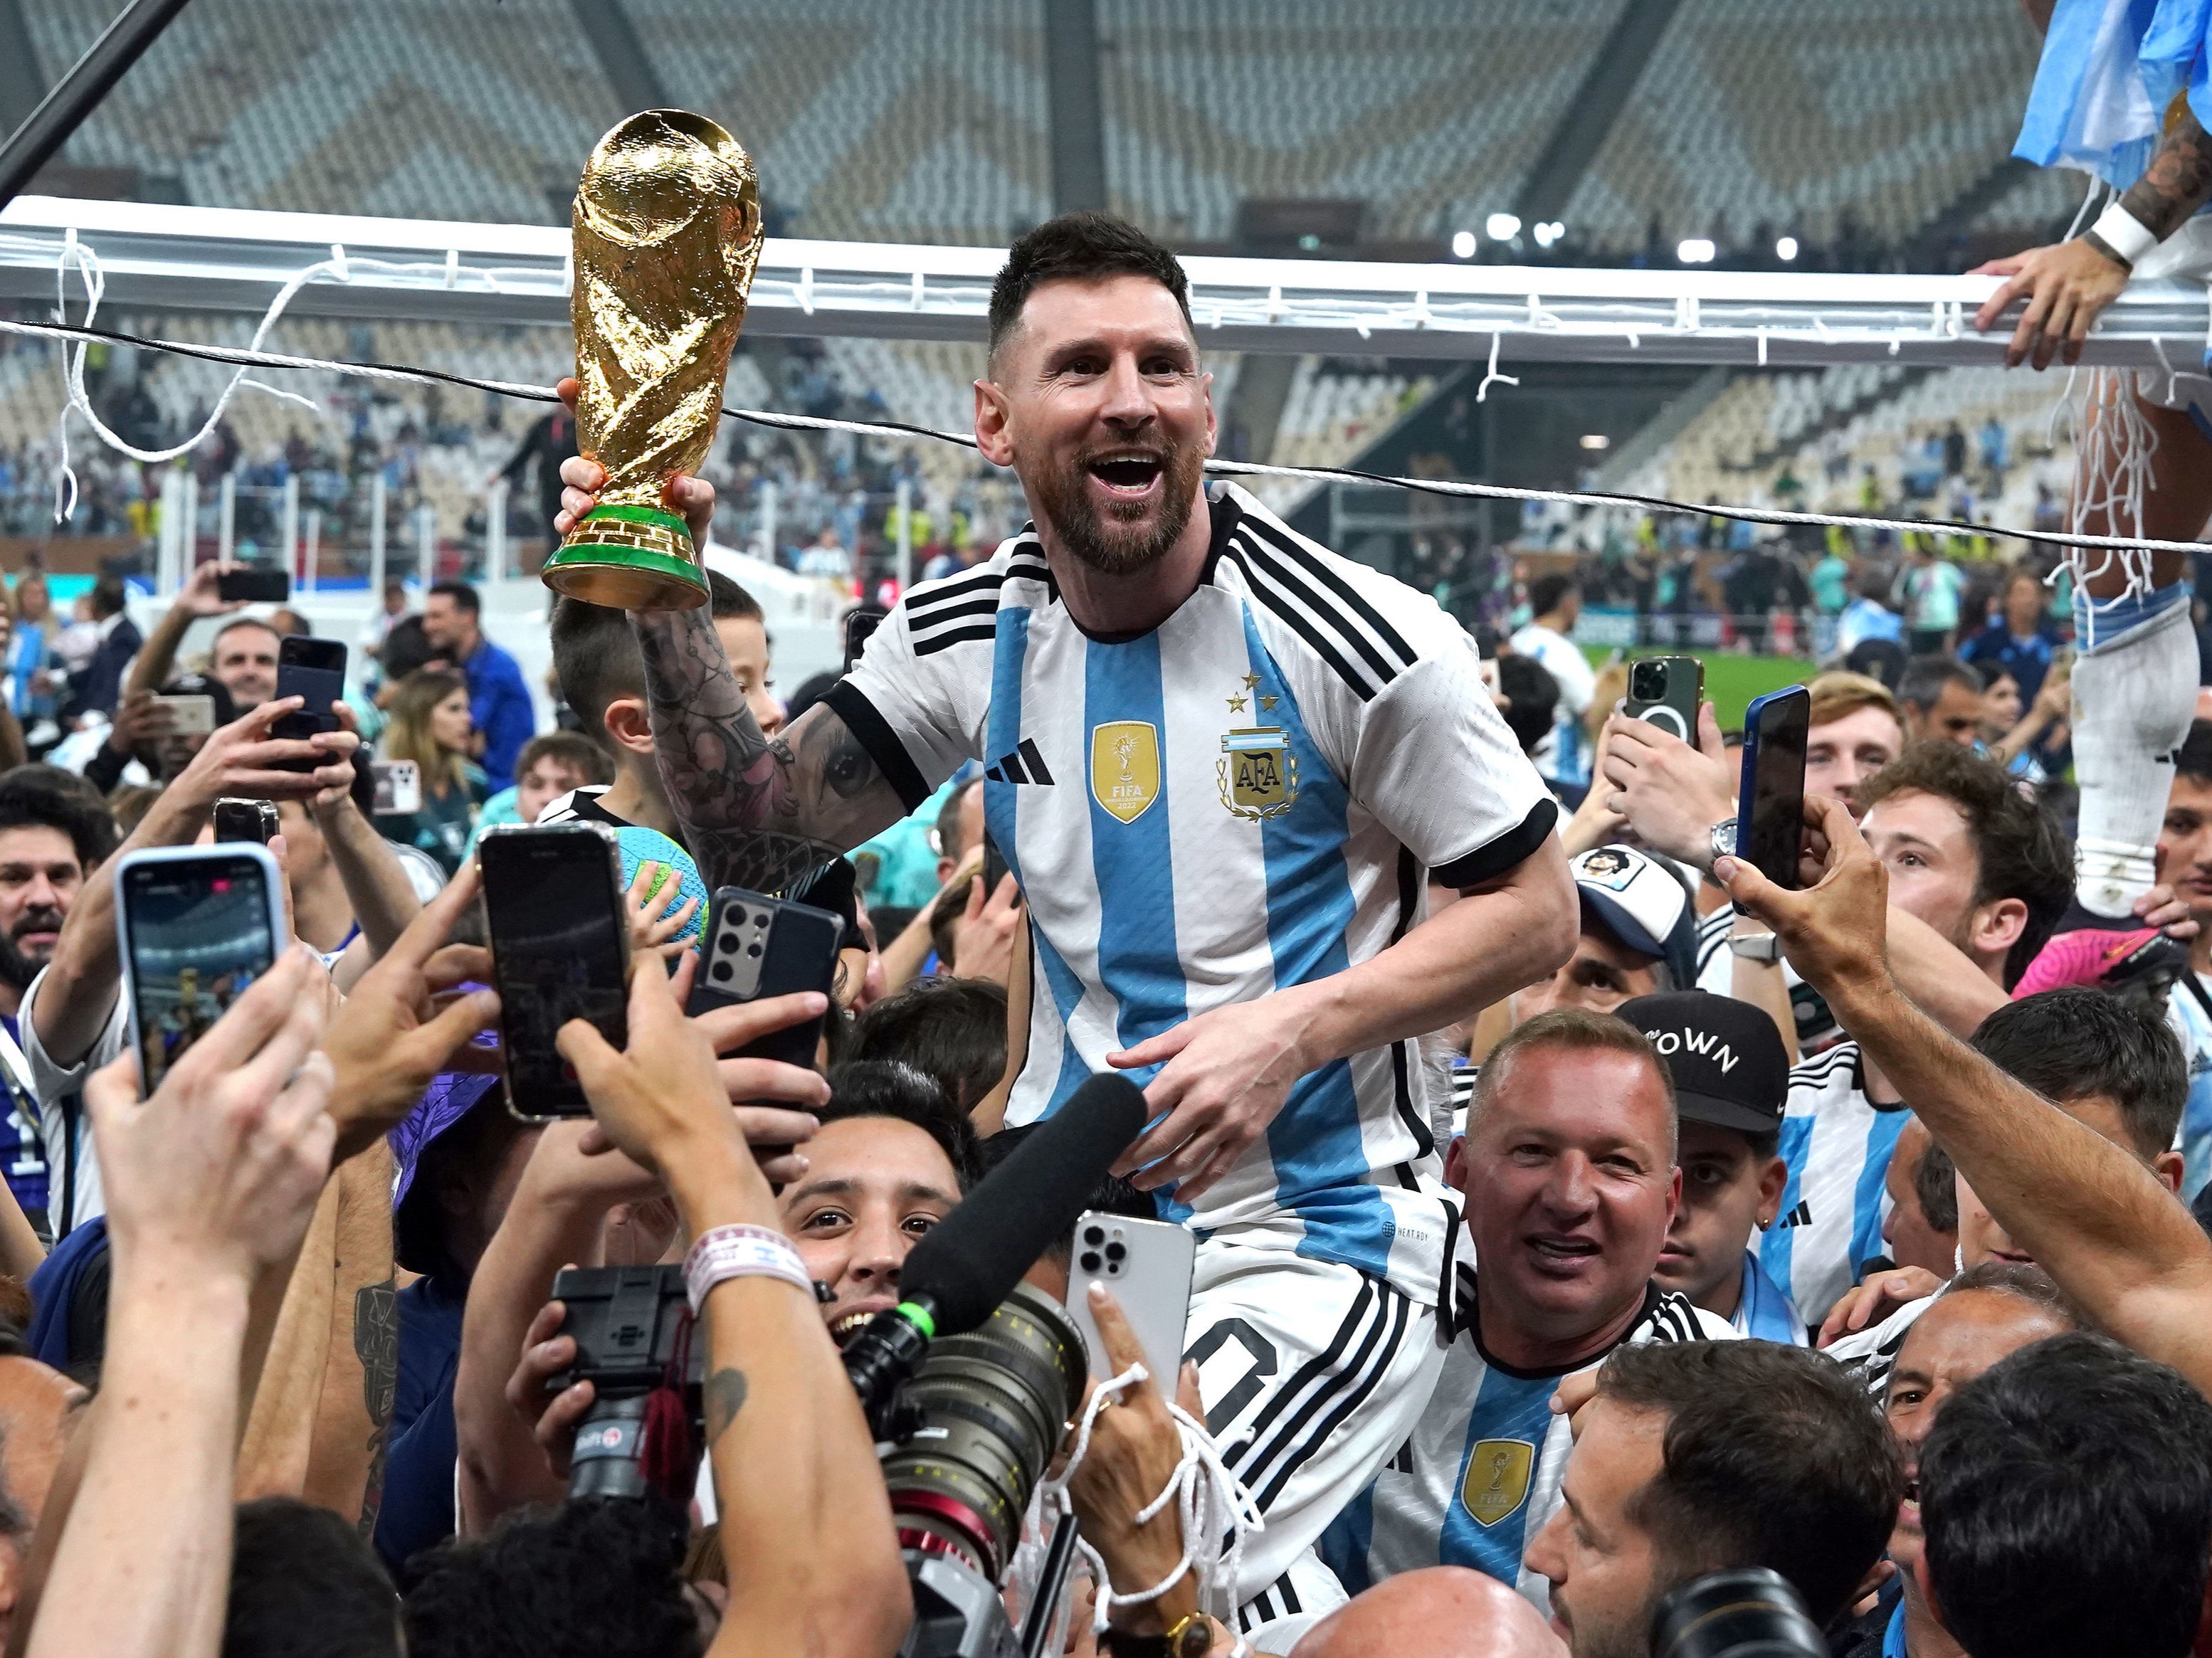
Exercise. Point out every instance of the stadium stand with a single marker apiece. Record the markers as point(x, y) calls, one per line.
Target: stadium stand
point(1808, 118)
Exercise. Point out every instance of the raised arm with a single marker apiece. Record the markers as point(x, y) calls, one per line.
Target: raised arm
point(2098, 1221)
point(198, 598)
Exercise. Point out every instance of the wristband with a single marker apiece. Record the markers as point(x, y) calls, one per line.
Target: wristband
point(2124, 235)
point(727, 1252)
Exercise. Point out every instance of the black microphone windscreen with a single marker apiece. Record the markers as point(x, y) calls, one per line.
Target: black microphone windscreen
point(971, 1261)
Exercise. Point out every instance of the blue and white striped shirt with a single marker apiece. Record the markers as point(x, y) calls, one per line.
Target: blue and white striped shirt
point(1253, 795)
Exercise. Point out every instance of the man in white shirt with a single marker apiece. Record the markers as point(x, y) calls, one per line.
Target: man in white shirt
point(1554, 601)
point(1224, 764)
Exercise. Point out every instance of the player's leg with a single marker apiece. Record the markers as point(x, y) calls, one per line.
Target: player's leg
point(2135, 682)
point(1313, 1374)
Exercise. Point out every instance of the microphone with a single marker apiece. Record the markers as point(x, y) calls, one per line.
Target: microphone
point(970, 1262)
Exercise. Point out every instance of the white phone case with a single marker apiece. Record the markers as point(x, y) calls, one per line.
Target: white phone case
point(1146, 1264)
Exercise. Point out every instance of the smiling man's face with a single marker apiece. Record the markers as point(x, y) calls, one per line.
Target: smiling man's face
point(1097, 401)
point(874, 1188)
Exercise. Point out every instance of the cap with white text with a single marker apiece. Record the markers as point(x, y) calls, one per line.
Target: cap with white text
point(1729, 1067)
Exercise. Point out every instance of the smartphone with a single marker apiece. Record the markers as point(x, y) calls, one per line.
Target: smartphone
point(314, 669)
point(860, 622)
point(1146, 1264)
point(560, 951)
point(1667, 691)
point(398, 786)
point(256, 584)
point(196, 925)
point(760, 947)
point(1769, 821)
point(190, 714)
point(254, 821)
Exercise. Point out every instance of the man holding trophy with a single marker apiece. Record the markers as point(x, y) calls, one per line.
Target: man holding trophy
point(1224, 763)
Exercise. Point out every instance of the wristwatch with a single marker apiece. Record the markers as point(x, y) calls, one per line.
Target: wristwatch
point(1723, 834)
point(1755, 946)
point(1191, 1638)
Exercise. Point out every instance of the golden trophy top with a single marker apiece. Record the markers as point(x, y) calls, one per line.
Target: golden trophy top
point(667, 232)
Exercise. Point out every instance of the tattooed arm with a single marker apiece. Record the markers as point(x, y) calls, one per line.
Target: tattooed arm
point(758, 811)
point(2068, 285)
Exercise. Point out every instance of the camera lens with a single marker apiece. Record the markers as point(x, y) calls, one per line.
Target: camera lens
point(1094, 1235)
point(753, 949)
point(1089, 1260)
point(1116, 1252)
point(993, 1405)
point(1647, 680)
point(1734, 1614)
point(723, 970)
point(736, 914)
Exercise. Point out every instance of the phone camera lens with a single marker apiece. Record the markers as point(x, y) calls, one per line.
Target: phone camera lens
point(1116, 1252)
point(723, 970)
point(1094, 1235)
point(1090, 1262)
point(753, 949)
point(736, 914)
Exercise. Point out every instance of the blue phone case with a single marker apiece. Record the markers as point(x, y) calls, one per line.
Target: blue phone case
point(1747, 781)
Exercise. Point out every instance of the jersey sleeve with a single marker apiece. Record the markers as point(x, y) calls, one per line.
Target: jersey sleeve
point(1437, 766)
point(919, 712)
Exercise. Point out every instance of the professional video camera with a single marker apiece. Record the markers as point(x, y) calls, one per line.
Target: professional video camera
point(970, 1382)
point(1749, 1613)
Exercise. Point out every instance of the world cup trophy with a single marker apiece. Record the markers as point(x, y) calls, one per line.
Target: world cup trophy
point(668, 229)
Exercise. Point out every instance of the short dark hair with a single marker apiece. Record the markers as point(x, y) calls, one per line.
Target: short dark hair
point(108, 595)
point(463, 595)
point(951, 1030)
point(1532, 699)
point(890, 1088)
point(1921, 686)
point(599, 1577)
point(728, 602)
point(596, 660)
point(1934, 1182)
point(305, 1584)
point(2193, 759)
point(31, 798)
point(2020, 850)
point(2023, 1280)
point(1548, 593)
point(1773, 1456)
point(571, 749)
point(1080, 247)
point(2066, 1493)
point(1115, 1194)
point(2070, 1044)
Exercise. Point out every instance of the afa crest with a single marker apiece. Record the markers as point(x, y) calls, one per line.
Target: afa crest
point(1257, 772)
point(1125, 767)
point(1496, 1480)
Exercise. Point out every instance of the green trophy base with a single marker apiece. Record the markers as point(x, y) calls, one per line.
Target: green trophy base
point(628, 558)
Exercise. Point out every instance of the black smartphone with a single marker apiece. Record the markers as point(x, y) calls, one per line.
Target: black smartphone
point(759, 947)
point(313, 669)
point(246, 820)
point(1666, 691)
point(1769, 821)
point(560, 951)
point(196, 925)
point(255, 584)
point(860, 622)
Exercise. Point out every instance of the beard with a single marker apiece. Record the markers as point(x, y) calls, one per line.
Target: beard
point(18, 966)
point(1118, 542)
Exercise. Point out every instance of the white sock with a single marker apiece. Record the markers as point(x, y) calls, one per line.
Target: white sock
point(2133, 701)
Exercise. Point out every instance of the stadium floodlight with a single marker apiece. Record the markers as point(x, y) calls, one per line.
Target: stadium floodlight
point(1546, 234)
point(1462, 244)
point(1785, 249)
point(1596, 441)
point(1697, 250)
point(1502, 227)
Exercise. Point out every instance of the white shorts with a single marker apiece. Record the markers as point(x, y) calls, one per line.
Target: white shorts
point(1313, 1374)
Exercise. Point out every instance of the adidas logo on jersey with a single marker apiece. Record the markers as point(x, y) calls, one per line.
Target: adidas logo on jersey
point(1023, 765)
point(1800, 1216)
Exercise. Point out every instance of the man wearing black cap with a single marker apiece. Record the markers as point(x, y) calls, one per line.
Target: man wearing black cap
point(1731, 1080)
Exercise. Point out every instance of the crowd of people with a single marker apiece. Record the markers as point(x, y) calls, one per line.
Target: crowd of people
point(1580, 1212)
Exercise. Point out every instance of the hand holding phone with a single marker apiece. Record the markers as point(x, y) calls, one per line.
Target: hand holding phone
point(254, 584)
point(759, 947)
point(560, 949)
point(1770, 823)
point(195, 925)
point(1667, 691)
point(313, 670)
point(1145, 1264)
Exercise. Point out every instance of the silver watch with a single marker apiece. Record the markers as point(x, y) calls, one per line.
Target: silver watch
point(1756, 946)
point(1723, 834)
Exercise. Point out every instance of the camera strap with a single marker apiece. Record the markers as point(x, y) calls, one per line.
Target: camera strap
point(667, 1455)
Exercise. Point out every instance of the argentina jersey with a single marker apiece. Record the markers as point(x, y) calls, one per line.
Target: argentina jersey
point(1250, 797)
point(1837, 1143)
point(1480, 1475)
point(2188, 1016)
point(1762, 1310)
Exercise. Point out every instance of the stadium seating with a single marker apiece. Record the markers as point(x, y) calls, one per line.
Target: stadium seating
point(1752, 114)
